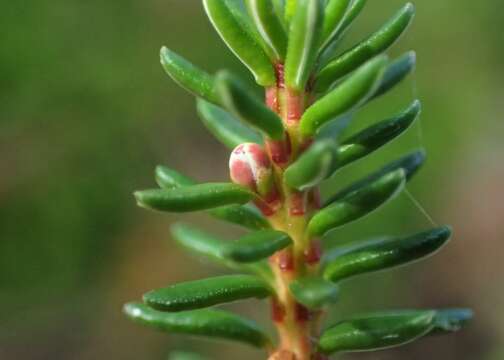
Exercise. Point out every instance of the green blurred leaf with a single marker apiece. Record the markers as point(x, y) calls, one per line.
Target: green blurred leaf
point(395, 73)
point(388, 329)
point(358, 203)
point(290, 10)
point(244, 215)
point(377, 43)
point(193, 198)
point(334, 14)
point(334, 129)
point(374, 137)
point(256, 246)
point(304, 39)
point(351, 93)
point(376, 331)
point(224, 126)
point(183, 355)
point(209, 323)
point(313, 166)
point(238, 100)
point(237, 36)
point(188, 76)
point(380, 255)
point(314, 292)
point(270, 27)
point(410, 163)
point(203, 244)
point(206, 292)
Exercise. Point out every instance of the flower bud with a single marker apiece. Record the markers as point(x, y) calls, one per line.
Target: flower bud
point(250, 166)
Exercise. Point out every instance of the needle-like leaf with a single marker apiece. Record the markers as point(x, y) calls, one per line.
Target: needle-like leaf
point(314, 292)
point(256, 246)
point(334, 14)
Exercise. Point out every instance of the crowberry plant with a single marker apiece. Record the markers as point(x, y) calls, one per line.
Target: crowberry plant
point(283, 148)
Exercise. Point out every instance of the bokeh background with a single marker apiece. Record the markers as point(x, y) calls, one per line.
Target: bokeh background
point(86, 113)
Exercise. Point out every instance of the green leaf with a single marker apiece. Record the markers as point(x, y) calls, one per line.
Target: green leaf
point(395, 73)
point(304, 39)
point(270, 27)
point(388, 329)
point(376, 331)
point(243, 215)
point(350, 94)
point(256, 246)
point(358, 203)
point(385, 254)
point(334, 14)
point(334, 129)
point(242, 104)
point(203, 244)
point(206, 292)
point(224, 126)
point(314, 292)
point(193, 198)
point(374, 137)
point(168, 178)
point(237, 36)
point(313, 166)
point(377, 43)
point(188, 76)
point(209, 323)
point(290, 10)
point(410, 163)
point(182, 355)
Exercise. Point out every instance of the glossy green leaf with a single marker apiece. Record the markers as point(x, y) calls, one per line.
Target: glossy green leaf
point(335, 129)
point(238, 100)
point(377, 43)
point(239, 39)
point(224, 126)
point(351, 93)
point(314, 292)
point(388, 329)
point(334, 14)
point(208, 323)
point(410, 163)
point(374, 137)
point(183, 355)
point(313, 166)
point(188, 76)
point(279, 6)
point(206, 292)
point(256, 246)
point(358, 203)
point(369, 257)
point(194, 198)
point(270, 27)
point(376, 331)
point(209, 247)
point(395, 73)
point(304, 39)
point(243, 215)
point(290, 10)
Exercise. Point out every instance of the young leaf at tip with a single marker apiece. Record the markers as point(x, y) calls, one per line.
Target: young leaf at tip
point(188, 76)
point(376, 331)
point(194, 198)
point(314, 292)
point(206, 292)
point(224, 126)
point(256, 246)
point(334, 14)
point(270, 28)
point(367, 49)
point(350, 94)
point(410, 163)
point(238, 37)
point(358, 203)
point(313, 166)
point(242, 104)
point(395, 73)
point(304, 39)
point(385, 254)
point(374, 137)
point(216, 324)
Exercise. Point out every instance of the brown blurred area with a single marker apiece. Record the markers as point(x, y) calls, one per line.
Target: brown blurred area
point(87, 113)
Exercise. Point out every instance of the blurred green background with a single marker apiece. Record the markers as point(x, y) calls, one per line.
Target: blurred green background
point(86, 113)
